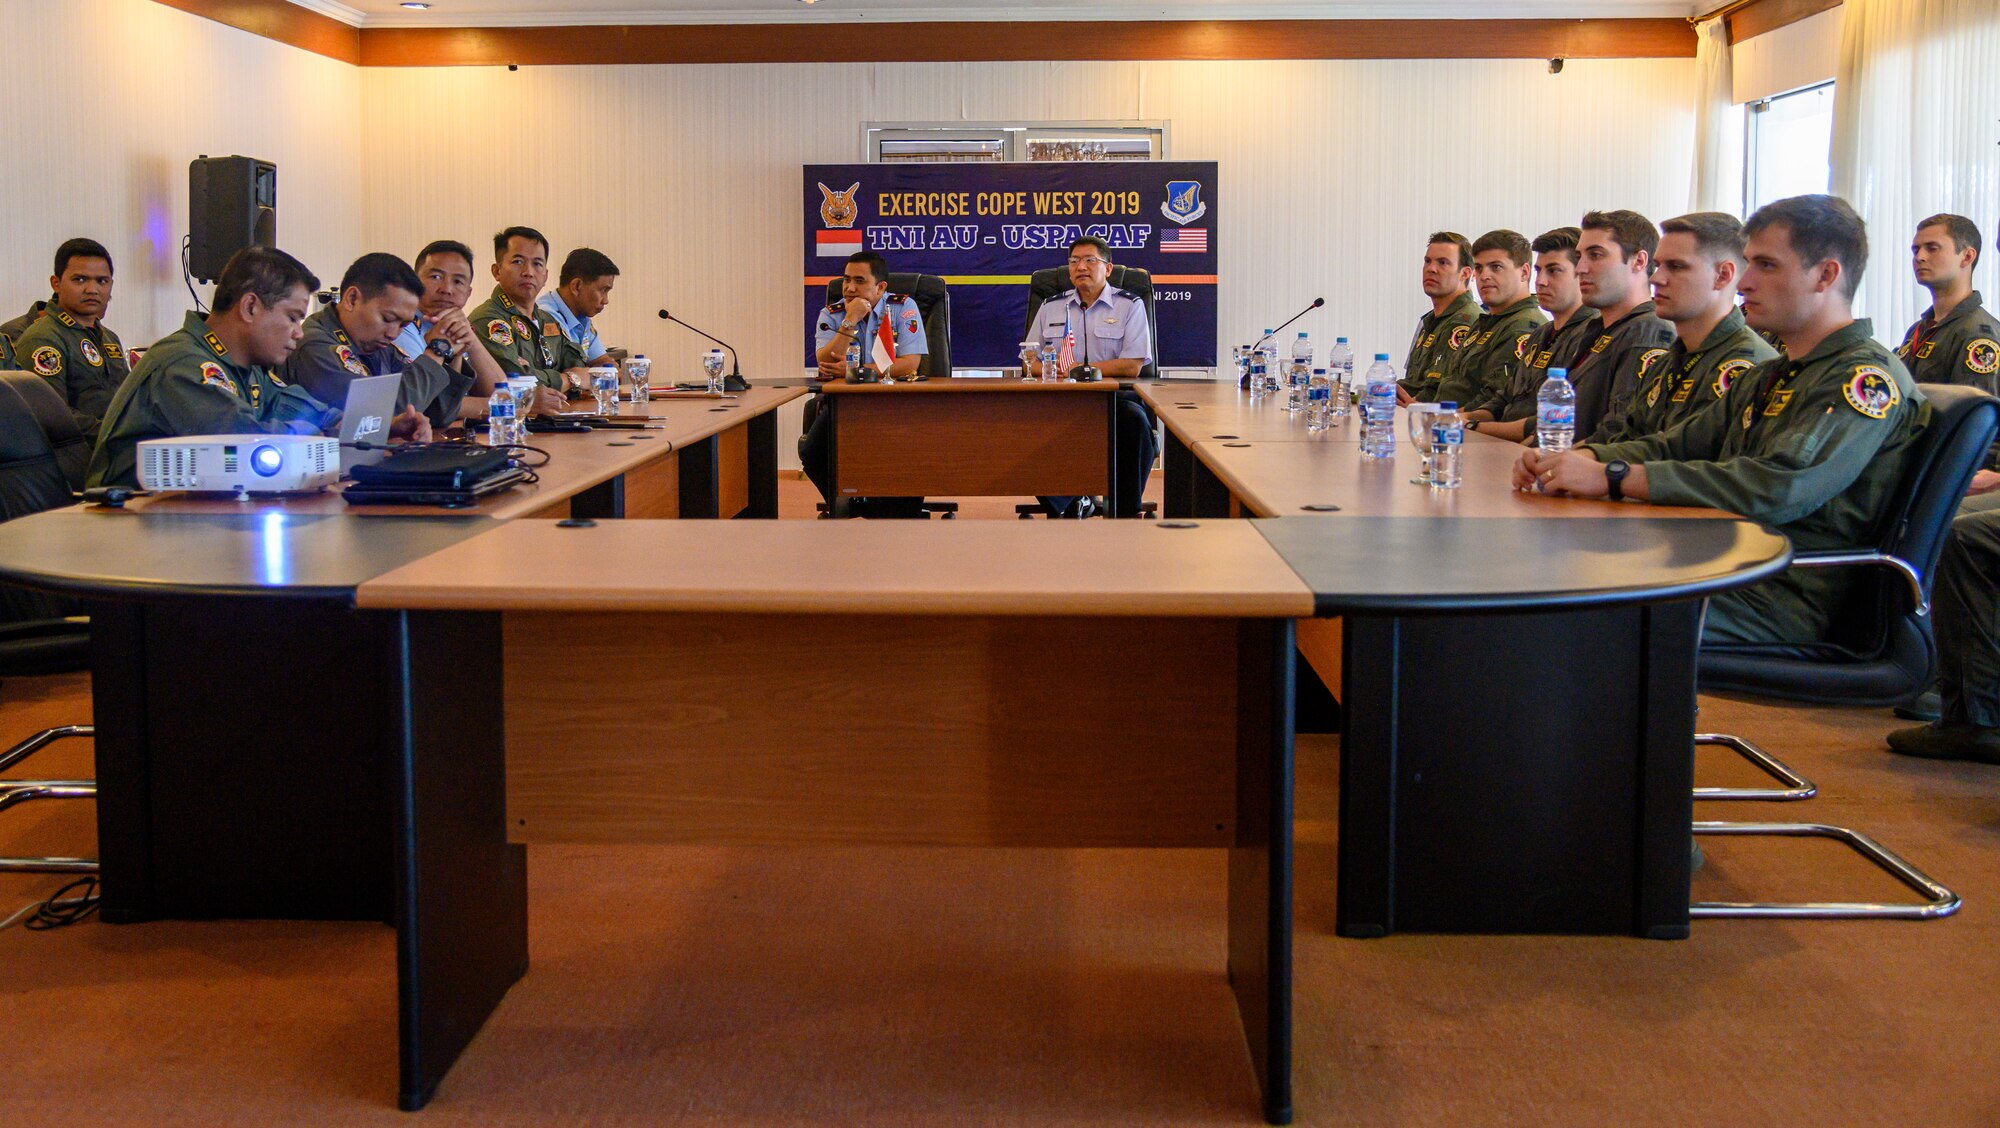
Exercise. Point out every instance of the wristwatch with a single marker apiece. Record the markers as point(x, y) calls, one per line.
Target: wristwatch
point(1614, 476)
point(1472, 424)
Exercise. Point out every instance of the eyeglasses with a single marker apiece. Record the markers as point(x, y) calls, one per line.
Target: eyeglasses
point(1089, 260)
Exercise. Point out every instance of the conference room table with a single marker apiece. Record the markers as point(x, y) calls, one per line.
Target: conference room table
point(320, 715)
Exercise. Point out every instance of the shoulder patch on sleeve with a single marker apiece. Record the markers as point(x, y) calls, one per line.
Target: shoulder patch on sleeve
point(349, 361)
point(1871, 392)
point(213, 375)
point(48, 361)
point(1983, 356)
point(499, 333)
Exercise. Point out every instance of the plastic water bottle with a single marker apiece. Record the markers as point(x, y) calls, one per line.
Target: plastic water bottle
point(1319, 403)
point(853, 359)
point(502, 417)
point(1378, 437)
point(1274, 372)
point(1299, 373)
point(1447, 437)
point(1555, 412)
point(1340, 370)
point(1256, 373)
point(1051, 353)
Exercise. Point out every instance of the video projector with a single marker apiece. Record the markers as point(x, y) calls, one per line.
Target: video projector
point(239, 464)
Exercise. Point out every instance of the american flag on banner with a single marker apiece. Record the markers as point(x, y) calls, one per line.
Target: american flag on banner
point(1185, 240)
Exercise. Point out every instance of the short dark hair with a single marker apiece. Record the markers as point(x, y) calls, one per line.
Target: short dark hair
point(445, 247)
point(1717, 235)
point(1562, 239)
point(267, 272)
point(1512, 242)
point(1103, 248)
point(876, 264)
point(1630, 230)
point(1456, 240)
point(91, 248)
point(586, 264)
point(1964, 233)
point(501, 240)
point(1821, 228)
point(374, 273)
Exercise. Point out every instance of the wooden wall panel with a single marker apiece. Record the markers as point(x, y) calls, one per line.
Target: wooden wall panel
point(1769, 15)
point(1066, 41)
point(282, 21)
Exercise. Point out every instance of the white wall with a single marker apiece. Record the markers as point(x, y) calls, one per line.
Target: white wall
point(1803, 53)
point(1332, 172)
point(107, 101)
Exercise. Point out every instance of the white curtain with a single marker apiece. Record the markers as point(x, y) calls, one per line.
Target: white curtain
point(1916, 122)
point(1718, 124)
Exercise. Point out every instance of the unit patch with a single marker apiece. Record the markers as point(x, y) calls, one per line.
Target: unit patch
point(90, 354)
point(349, 361)
point(1651, 358)
point(1871, 392)
point(214, 377)
point(1983, 356)
point(1460, 335)
point(1727, 374)
point(1521, 346)
point(47, 361)
point(499, 333)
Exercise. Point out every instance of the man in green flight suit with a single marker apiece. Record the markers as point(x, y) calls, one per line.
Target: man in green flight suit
point(69, 346)
point(1499, 339)
point(1615, 272)
point(525, 339)
point(1957, 340)
point(1511, 413)
point(1814, 447)
point(12, 328)
point(1694, 290)
point(1448, 326)
point(212, 376)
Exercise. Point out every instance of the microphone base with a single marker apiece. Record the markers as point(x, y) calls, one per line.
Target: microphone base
point(735, 383)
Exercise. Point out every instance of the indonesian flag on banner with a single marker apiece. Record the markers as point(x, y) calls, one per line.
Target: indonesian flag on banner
point(882, 352)
point(837, 243)
point(1066, 359)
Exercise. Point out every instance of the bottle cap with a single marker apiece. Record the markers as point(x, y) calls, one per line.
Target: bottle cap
point(1381, 356)
point(1562, 372)
point(1448, 405)
point(1340, 340)
point(1302, 332)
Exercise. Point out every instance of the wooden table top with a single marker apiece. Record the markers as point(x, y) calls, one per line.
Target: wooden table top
point(1213, 569)
point(957, 384)
point(577, 462)
point(1281, 479)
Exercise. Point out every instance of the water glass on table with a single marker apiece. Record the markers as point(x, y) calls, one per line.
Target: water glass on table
point(639, 373)
point(711, 363)
point(604, 386)
point(1419, 418)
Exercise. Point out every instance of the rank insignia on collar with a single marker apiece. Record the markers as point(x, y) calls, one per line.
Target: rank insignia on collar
point(90, 354)
point(498, 332)
point(47, 361)
point(1459, 335)
point(214, 377)
point(1871, 392)
point(215, 343)
point(1983, 356)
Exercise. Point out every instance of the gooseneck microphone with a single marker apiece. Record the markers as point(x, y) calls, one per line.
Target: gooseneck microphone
point(734, 381)
point(1316, 303)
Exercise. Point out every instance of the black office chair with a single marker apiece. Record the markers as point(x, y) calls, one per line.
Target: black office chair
point(1883, 653)
point(71, 445)
point(1054, 282)
point(933, 300)
point(40, 634)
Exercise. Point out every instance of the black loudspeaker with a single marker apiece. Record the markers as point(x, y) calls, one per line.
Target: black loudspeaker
point(232, 204)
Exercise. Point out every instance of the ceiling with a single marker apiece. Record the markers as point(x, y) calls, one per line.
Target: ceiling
point(533, 13)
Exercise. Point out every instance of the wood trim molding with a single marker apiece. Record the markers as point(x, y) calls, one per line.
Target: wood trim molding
point(281, 21)
point(1760, 16)
point(997, 42)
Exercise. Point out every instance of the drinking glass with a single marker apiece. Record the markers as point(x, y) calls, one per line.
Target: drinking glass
point(1419, 418)
point(712, 364)
point(1028, 351)
point(604, 386)
point(639, 371)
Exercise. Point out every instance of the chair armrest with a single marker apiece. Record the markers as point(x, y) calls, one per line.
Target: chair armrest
point(1869, 556)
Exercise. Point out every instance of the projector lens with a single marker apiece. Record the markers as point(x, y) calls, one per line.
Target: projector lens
point(266, 460)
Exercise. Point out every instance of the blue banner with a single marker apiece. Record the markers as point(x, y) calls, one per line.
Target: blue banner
point(984, 228)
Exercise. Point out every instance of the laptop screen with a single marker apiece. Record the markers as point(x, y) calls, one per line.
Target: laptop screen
point(371, 406)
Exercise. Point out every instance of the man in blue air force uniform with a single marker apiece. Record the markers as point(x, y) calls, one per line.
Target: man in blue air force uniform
point(890, 332)
point(1112, 334)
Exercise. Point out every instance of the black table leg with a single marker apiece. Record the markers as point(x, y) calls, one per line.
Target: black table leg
point(1208, 495)
point(1479, 793)
point(763, 435)
point(1176, 458)
point(1260, 864)
point(604, 501)
point(701, 479)
point(461, 888)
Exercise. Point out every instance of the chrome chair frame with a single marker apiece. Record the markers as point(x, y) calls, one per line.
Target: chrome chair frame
point(14, 792)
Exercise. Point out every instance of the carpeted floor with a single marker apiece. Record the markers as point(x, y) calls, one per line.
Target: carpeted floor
point(955, 987)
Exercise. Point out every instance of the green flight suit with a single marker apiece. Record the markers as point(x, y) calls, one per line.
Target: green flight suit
point(1486, 364)
point(1816, 448)
point(84, 364)
point(1435, 348)
point(525, 342)
point(1548, 348)
point(14, 327)
point(6, 354)
point(327, 360)
point(1612, 367)
point(1685, 382)
point(1964, 348)
point(189, 385)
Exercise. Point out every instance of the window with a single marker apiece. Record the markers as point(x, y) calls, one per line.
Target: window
point(1788, 146)
point(893, 142)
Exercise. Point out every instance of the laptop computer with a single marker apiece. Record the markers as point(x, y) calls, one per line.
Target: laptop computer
point(371, 406)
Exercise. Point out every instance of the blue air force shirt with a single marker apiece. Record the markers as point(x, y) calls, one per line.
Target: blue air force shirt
point(899, 312)
point(1112, 328)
